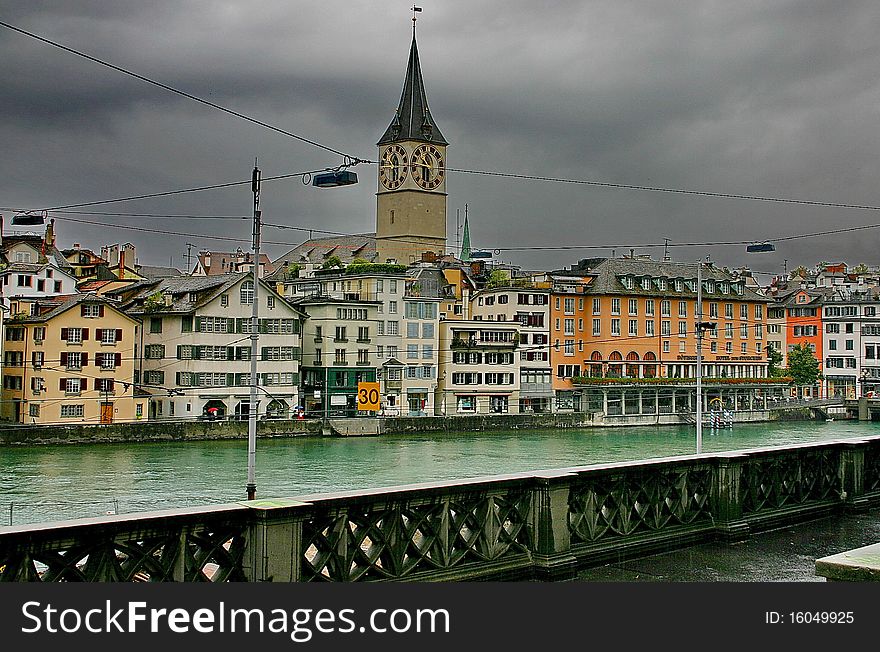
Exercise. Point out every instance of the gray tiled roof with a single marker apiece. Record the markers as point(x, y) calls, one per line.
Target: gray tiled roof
point(607, 272)
point(64, 303)
point(151, 272)
point(317, 250)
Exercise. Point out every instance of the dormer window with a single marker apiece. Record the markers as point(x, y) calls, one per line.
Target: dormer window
point(646, 283)
point(723, 288)
point(710, 287)
point(193, 297)
point(661, 283)
point(627, 282)
point(679, 285)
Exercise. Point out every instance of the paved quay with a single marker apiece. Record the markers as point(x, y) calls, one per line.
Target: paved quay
point(785, 555)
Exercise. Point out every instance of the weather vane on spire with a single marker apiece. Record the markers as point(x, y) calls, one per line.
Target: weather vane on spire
point(415, 10)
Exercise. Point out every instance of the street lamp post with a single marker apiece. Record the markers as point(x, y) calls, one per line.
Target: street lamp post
point(330, 179)
point(699, 329)
point(255, 336)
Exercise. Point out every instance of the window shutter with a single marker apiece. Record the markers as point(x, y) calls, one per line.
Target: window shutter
point(238, 325)
point(108, 384)
point(85, 359)
point(177, 379)
point(100, 311)
point(83, 384)
point(230, 353)
point(118, 359)
point(82, 310)
point(198, 324)
point(197, 353)
point(118, 334)
point(230, 380)
point(63, 385)
point(99, 334)
point(180, 352)
point(161, 350)
point(64, 358)
point(64, 334)
point(85, 332)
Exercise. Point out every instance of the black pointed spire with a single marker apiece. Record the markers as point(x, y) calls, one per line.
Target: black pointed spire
point(413, 120)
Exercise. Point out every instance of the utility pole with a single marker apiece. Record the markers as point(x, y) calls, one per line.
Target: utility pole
point(255, 336)
point(699, 329)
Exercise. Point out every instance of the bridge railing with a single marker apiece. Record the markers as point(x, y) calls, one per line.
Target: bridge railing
point(542, 524)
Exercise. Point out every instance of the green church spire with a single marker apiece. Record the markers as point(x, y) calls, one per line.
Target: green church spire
point(466, 242)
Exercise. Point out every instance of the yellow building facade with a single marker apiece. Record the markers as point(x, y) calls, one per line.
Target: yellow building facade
point(69, 360)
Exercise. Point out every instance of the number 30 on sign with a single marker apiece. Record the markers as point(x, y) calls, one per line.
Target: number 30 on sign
point(368, 396)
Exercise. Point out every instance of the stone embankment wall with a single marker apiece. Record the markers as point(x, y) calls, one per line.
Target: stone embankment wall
point(163, 431)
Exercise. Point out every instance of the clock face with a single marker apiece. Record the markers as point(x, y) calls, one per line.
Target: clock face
point(427, 166)
point(393, 167)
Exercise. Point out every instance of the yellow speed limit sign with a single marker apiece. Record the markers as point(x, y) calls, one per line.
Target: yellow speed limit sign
point(368, 396)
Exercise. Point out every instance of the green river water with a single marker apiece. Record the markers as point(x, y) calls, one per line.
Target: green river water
point(58, 482)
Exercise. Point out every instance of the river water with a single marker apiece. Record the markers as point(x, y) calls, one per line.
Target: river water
point(49, 483)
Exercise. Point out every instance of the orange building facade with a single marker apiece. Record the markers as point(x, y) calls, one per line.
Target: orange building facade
point(636, 318)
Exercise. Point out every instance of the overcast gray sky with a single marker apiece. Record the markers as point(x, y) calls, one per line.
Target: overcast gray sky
point(777, 99)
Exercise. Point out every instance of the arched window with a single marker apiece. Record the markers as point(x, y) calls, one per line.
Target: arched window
point(632, 370)
point(596, 369)
point(615, 370)
point(649, 370)
point(247, 293)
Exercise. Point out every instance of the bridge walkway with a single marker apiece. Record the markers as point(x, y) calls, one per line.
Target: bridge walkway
point(784, 555)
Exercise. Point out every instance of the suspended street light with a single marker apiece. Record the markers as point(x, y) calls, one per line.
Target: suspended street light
point(29, 218)
point(335, 179)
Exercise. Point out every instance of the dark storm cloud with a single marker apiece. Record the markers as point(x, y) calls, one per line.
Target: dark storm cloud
point(774, 99)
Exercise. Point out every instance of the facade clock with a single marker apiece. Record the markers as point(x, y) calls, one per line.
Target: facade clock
point(428, 168)
point(393, 167)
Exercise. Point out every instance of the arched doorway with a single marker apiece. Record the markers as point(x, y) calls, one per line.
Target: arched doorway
point(277, 409)
point(632, 370)
point(214, 409)
point(242, 410)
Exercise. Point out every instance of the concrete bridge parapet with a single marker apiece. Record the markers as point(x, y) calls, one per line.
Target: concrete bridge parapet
point(527, 525)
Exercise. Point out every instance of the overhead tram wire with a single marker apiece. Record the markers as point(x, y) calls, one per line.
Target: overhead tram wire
point(353, 159)
point(496, 248)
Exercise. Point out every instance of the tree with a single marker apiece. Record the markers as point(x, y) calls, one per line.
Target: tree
point(774, 366)
point(860, 269)
point(333, 261)
point(803, 366)
point(498, 278)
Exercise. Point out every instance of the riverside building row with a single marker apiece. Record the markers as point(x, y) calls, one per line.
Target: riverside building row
point(432, 334)
point(437, 336)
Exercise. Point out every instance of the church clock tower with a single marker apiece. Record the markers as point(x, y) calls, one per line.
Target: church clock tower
point(411, 198)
